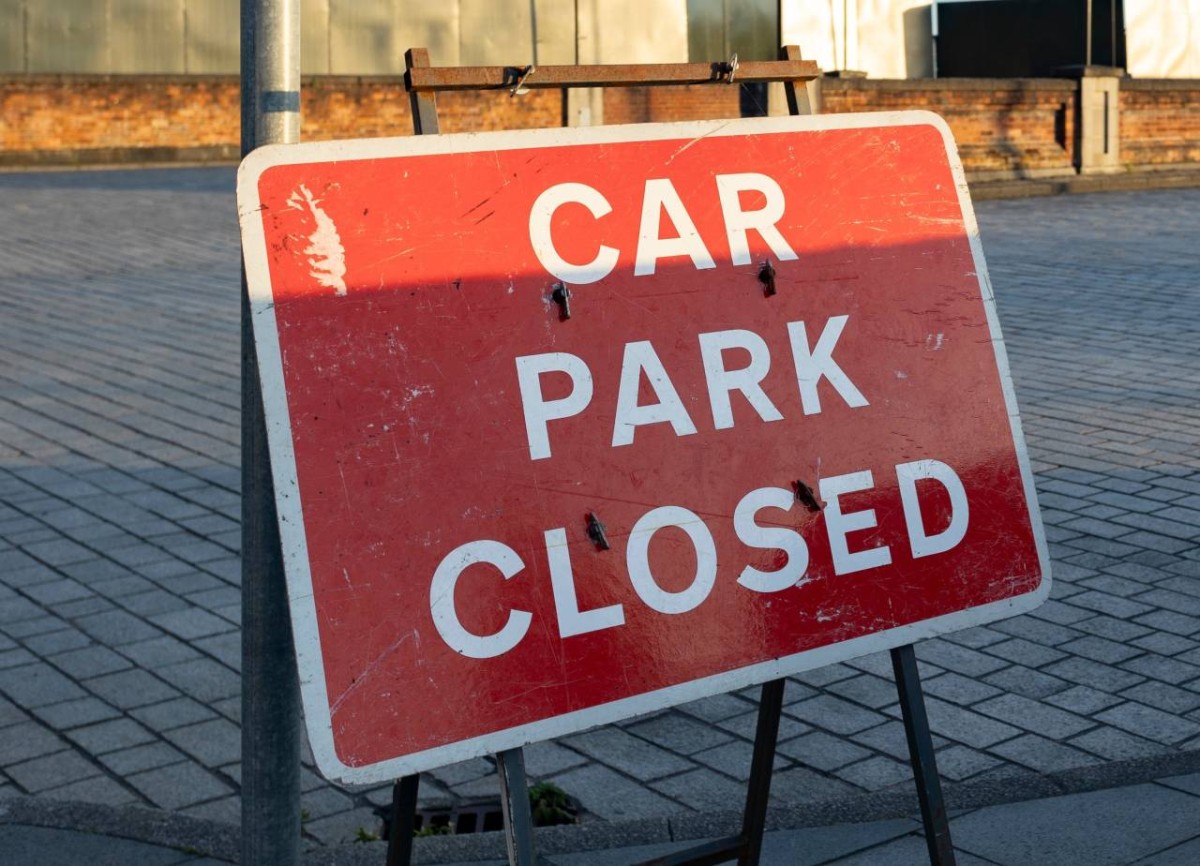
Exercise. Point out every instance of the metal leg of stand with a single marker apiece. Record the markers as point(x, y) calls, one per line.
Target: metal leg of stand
point(514, 801)
point(920, 750)
point(403, 825)
point(770, 706)
point(747, 847)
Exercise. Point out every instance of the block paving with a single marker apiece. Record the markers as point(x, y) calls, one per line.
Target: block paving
point(119, 527)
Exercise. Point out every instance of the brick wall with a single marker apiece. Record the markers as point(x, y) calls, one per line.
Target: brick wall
point(646, 104)
point(344, 107)
point(66, 119)
point(1160, 123)
point(83, 118)
point(1003, 127)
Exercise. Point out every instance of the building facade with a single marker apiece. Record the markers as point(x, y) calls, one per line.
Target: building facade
point(883, 38)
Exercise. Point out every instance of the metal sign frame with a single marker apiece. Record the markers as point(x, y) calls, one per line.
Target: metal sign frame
point(423, 82)
point(370, 763)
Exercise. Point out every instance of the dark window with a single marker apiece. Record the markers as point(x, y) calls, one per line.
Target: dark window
point(719, 28)
point(1026, 38)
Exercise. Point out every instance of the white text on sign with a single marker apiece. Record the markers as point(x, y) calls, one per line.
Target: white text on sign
point(839, 525)
point(661, 196)
point(811, 363)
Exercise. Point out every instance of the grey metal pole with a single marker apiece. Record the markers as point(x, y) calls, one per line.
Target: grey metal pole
point(270, 685)
point(1087, 61)
point(845, 34)
point(1112, 33)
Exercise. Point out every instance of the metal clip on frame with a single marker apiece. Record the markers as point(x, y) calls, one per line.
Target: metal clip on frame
point(519, 89)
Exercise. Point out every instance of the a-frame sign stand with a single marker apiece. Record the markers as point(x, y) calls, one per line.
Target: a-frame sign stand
point(423, 82)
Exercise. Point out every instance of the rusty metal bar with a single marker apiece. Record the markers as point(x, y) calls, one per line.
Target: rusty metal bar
point(799, 98)
point(433, 79)
point(424, 104)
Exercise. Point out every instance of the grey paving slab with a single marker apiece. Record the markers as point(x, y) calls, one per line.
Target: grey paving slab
point(835, 714)
point(10, 713)
point(203, 679)
point(174, 713)
point(40, 846)
point(135, 759)
point(1043, 754)
point(1168, 670)
point(158, 651)
point(1117, 826)
point(191, 623)
point(890, 739)
point(876, 773)
point(1034, 716)
point(117, 627)
point(1184, 854)
point(1083, 700)
point(213, 743)
point(109, 736)
point(965, 726)
point(1117, 745)
point(342, 827)
point(627, 753)
point(89, 661)
point(733, 759)
point(870, 691)
point(26, 740)
point(94, 789)
point(1026, 682)
point(1146, 721)
point(1167, 698)
point(702, 789)
point(717, 708)
point(807, 847)
point(608, 794)
point(802, 785)
point(178, 785)
point(959, 763)
point(904, 851)
point(52, 771)
point(36, 685)
point(679, 732)
point(822, 751)
point(464, 771)
point(130, 688)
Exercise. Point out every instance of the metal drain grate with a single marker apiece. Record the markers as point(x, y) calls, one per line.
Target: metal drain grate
point(481, 817)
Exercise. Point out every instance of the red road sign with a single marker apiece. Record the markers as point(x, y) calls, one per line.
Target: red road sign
point(776, 430)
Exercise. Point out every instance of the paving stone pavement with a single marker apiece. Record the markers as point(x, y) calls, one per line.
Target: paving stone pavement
point(119, 569)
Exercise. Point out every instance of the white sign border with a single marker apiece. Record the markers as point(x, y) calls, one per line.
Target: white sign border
point(302, 605)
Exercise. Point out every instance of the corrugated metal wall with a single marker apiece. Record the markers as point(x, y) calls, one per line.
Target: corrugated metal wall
point(342, 37)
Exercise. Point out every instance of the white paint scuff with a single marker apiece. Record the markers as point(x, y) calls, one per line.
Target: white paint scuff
point(326, 255)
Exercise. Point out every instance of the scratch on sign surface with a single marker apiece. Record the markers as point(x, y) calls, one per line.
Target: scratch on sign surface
point(371, 668)
point(694, 141)
point(327, 256)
